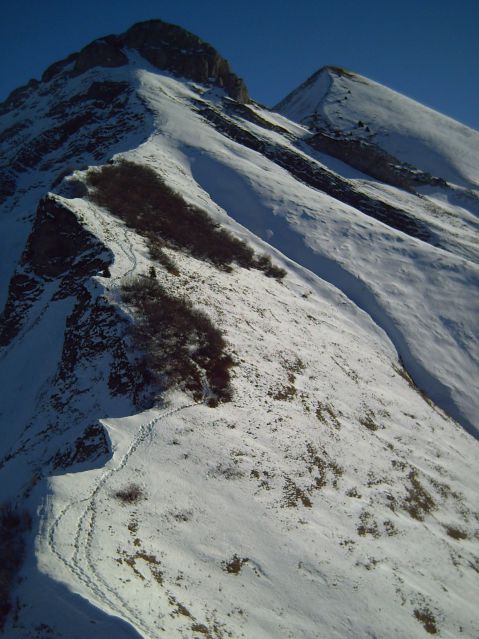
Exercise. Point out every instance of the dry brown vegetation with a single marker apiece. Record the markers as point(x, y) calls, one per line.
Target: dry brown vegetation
point(234, 565)
point(425, 616)
point(149, 559)
point(292, 494)
point(181, 345)
point(330, 416)
point(456, 533)
point(368, 525)
point(418, 502)
point(367, 420)
point(139, 196)
point(131, 494)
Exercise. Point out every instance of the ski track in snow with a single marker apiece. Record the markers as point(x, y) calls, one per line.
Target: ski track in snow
point(85, 528)
point(105, 593)
point(128, 251)
point(86, 524)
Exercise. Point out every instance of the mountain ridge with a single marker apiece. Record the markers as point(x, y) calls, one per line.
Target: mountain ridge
point(324, 474)
point(323, 102)
point(165, 46)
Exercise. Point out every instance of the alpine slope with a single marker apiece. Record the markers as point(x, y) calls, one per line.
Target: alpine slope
point(333, 492)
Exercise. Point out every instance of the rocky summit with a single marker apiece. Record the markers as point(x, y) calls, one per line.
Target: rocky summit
point(238, 354)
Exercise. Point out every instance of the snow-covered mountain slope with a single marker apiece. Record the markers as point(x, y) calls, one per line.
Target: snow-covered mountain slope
point(325, 473)
point(346, 104)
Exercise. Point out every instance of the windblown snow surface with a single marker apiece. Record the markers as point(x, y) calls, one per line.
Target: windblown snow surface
point(329, 498)
point(352, 104)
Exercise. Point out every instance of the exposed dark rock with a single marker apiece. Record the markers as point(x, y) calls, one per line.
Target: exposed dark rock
point(53, 248)
point(88, 447)
point(236, 88)
point(8, 184)
point(95, 330)
point(23, 291)
point(56, 241)
point(172, 48)
point(100, 53)
point(6, 134)
point(166, 46)
point(97, 119)
point(74, 188)
point(18, 96)
point(60, 248)
point(32, 153)
point(100, 95)
point(14, 524)
point(105, 92)
point(372, 160)
point(246, 112)
point(57, 67)
point(126, 378)
point(320, 178)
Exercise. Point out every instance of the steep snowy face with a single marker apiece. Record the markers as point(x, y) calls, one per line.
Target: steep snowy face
point(349, 107)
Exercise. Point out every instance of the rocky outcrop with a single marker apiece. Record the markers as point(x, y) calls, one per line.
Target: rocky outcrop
point(90, 446)
point(318, 177)
point(165, 46)
point(171, 48)
point(77, 130)
point(58, 248)
point(23, 291)
point(372, 160)
point(58, 239)
point(100, 53)
point(18, 96)
point(62, 253)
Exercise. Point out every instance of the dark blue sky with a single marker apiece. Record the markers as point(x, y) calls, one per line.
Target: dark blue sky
point(427, 49)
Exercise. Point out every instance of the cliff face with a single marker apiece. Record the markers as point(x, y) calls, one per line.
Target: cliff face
point(174, 49)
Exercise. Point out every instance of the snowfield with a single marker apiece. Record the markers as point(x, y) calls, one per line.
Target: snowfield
point(413, 133)
point(333, 496)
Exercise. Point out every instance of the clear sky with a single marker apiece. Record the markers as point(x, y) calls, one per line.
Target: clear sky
point(427, 49)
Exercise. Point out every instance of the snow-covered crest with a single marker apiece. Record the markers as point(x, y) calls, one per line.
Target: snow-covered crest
point(351, 105)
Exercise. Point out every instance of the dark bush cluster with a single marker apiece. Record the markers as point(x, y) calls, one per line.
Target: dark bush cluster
point(131, 494)
point(181, 344)
point(13, 524)
point(137, 195)
point(157, 252)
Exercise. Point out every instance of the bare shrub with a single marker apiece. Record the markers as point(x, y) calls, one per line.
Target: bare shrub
point(418, 502)
point(181, 344)
point(131, 494)
point(426, 617)
point(264, 263)
point(456, 533)
point(234, 565)
point(157, 247)
point(137, 195)
point(368, 421)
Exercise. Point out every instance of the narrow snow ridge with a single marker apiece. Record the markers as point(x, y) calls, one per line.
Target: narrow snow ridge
point(341, 101)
